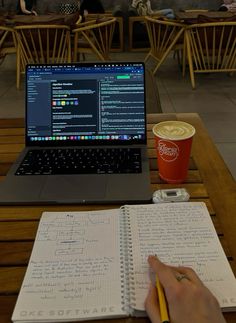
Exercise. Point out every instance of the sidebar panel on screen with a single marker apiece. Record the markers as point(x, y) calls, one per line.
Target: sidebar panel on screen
point(38, 108)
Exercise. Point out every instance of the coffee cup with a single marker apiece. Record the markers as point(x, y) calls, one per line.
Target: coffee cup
point(173, 141)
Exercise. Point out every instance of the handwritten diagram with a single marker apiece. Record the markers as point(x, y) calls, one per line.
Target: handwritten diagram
point(69, 231)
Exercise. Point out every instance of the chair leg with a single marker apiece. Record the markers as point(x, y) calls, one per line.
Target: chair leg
point(184, 62)
point(190, 62)
point(161, 60)
point(130, 46)
point(94, 48)
point(2, 57)
point(192, 76)
point(18, 69)
point(176, 53)
point(184, 56)
point(147, 57)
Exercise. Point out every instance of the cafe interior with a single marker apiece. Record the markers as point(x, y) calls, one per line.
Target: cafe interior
point(209, 93)
point(190, 63)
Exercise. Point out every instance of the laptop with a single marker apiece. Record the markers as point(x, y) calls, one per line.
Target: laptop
point(80, 119)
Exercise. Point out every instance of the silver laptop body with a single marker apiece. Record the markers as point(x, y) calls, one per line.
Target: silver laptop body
point(82, 105)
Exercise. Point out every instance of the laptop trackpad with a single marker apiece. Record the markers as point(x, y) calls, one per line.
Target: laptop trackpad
point(74, 187)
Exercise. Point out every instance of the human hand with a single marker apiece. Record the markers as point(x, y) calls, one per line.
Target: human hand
point(34, 12)
point(188, 298)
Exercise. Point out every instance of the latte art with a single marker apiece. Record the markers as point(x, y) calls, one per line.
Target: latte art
point(174, 130)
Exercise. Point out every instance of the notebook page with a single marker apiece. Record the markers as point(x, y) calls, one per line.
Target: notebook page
point(179, 234)
point(74, 270)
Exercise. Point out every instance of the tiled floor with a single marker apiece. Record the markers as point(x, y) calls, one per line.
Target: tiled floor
point(214, 99)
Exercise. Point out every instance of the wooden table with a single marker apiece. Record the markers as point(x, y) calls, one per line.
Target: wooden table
point(193, 15)
point(208, 180)
point(31, 19)
point(60, 19)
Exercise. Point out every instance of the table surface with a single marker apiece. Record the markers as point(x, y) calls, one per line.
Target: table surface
point(208, 180)
point(31, 19)
point(211, 14)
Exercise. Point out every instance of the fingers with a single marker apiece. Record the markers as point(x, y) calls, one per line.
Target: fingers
point(190, 273)
point(188, 299)
point(164, 273)
point(152, 305)
point(170, 275)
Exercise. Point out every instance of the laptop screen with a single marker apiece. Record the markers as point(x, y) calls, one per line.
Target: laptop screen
point(85, 103)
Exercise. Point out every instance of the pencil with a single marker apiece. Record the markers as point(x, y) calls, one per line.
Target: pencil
point(162, 302)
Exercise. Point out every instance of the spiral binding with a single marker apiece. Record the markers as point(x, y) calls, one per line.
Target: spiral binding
point(126, 259)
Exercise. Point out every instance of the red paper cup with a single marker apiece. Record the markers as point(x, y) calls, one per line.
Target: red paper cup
point(173, 141)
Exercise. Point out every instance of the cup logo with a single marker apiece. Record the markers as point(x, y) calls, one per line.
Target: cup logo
point(168, 150)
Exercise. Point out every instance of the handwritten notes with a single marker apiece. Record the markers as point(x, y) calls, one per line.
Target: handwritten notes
point(181, 234)
point(75, 265)
point(87, 265)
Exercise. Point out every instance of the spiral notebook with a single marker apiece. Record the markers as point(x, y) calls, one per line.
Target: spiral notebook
point(93, 265)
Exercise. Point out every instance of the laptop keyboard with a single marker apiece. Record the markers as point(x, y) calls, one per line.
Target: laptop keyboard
point(81, 161)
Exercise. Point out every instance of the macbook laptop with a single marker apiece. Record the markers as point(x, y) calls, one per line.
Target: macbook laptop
point(85, 136)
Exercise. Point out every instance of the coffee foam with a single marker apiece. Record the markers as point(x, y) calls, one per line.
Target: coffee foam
point(173, 130)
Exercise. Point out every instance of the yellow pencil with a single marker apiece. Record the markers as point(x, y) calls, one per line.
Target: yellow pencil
point(162, 302)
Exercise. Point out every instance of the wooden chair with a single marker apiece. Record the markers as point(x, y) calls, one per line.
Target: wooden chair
point(211, 47)
point(138, 22)
point(138, 39)
point(7, 42)
point(94, 37)
point(79, 20)
point(117, 45)
point(163, 36)
point(41, 44)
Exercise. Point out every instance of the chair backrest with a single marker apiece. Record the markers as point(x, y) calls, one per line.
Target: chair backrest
point(97, 35)
point(7, 40)
point(43, 44)
point(163, 35)
point(212, 46)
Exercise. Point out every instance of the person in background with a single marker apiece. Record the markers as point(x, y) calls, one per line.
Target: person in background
point(189, 300)
point(91, 6)
point(228, 5)
point(144, 8)
point(25, 7)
